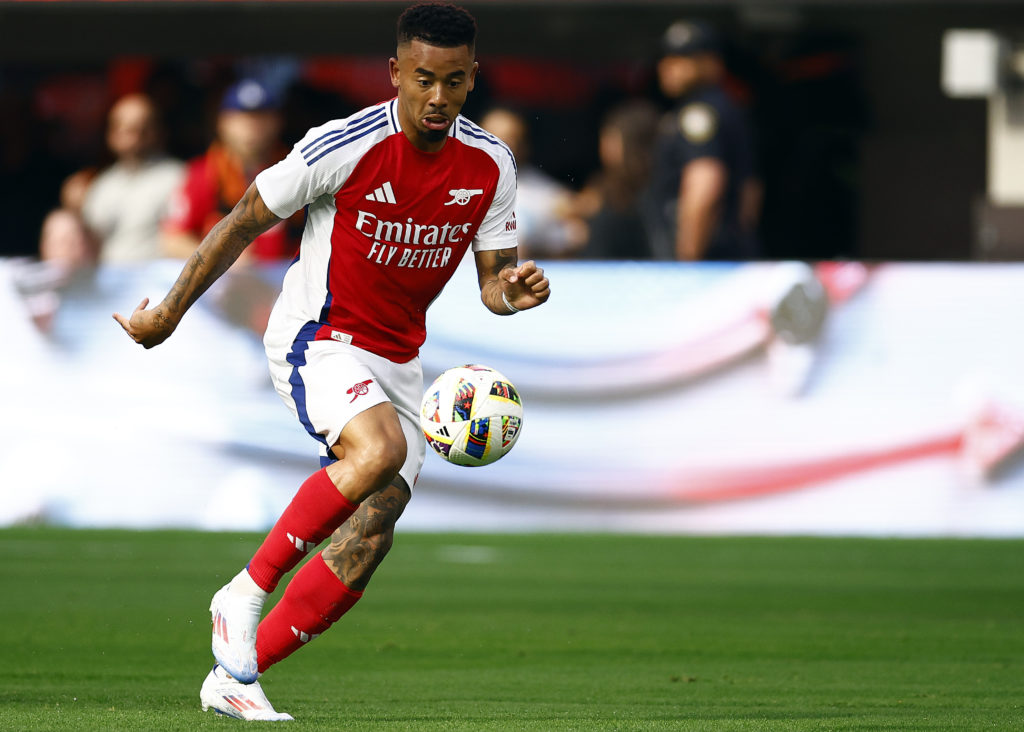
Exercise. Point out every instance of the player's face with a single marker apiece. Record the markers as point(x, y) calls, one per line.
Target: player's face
point(432, 85)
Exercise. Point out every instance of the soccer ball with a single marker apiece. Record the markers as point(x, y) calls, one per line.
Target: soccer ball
point(471, 415)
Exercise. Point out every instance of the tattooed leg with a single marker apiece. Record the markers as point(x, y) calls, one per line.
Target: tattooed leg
point(329, 584)
point(362, 542)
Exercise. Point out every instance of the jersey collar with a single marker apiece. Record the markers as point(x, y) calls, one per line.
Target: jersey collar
point(392, 108)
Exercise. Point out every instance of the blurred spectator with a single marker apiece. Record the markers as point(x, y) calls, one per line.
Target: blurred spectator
point(705, 193)
point(68, 254)
point(125, 204)
point(612, 203)
point(65, 242)
point(543, 204)
point(248, 130)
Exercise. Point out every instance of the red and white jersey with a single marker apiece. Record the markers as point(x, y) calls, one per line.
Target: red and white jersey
point(387, 225)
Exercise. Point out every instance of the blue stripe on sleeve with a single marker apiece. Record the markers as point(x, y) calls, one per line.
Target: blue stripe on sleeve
point(337, 135)
point(349, 126)
point(494, 141)
point(346, 140)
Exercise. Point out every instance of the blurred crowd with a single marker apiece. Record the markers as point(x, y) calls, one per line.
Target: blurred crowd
point(673, 171)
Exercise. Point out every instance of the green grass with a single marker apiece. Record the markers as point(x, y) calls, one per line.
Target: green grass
point(109, 630)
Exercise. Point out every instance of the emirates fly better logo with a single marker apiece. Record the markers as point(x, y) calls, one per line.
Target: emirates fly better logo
point(359, 389)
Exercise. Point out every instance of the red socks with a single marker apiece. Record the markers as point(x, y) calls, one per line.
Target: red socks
point(313, 515)
point(314, 600)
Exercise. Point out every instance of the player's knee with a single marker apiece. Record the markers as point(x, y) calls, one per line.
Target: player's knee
point(380, 462)
point(389, 457)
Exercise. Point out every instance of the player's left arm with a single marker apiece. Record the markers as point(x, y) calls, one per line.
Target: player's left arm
point(507, 287)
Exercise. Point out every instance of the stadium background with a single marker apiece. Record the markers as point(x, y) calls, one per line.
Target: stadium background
point(865, 158)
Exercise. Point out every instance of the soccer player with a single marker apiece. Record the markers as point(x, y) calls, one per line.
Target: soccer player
point(396, 194)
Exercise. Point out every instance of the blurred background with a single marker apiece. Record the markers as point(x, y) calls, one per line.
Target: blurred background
point(852, 367)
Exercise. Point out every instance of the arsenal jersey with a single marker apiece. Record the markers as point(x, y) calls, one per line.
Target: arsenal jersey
point(387, 224)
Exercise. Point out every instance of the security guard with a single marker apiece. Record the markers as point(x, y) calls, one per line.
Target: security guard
point(705, 196)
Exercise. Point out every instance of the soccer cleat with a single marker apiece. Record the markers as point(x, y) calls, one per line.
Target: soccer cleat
point(235, 618)
point(231, 698)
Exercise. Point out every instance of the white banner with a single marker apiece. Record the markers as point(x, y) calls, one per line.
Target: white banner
point(761, 398)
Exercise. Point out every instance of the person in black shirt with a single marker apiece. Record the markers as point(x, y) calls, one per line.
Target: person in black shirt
point(705, 196)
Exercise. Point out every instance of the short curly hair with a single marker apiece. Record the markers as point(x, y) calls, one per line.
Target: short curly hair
point(437, 24)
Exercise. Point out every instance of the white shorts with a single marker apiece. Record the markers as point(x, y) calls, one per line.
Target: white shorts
point(326, 383)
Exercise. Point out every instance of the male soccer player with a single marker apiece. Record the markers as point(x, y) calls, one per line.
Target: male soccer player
point(396, 194)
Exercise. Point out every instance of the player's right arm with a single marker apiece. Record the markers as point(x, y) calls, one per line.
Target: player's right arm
point(219, 249)
point(507, 287)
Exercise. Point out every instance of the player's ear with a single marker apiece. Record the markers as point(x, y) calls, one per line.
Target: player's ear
point(393, 70)
point(472, 76)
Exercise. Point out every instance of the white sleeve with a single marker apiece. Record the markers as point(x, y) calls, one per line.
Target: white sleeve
point(498, 229)
point(299, 179)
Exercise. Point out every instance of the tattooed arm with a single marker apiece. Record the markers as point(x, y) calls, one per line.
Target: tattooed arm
point(506, 287)
point(218, 251)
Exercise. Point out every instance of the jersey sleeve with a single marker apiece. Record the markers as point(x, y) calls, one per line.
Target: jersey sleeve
point(289, 184)
point(498, 229)
point(303, 175)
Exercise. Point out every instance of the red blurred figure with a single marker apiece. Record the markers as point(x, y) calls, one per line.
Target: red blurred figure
point(248, 129)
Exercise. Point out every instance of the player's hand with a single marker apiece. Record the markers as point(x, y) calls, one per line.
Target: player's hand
point(525, 286)
point(147, 327)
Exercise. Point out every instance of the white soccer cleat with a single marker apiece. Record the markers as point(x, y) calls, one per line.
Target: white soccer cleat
point(229, 697)
point(235, 617)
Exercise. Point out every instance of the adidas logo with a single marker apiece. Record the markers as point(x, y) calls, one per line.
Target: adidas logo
point(384, 194)
point(302, 546)
point(304, 636)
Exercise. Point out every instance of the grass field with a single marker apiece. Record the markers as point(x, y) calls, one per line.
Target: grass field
point(109, 630)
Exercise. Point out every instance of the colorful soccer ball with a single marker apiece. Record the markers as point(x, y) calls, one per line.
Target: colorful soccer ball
point(471, 415)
